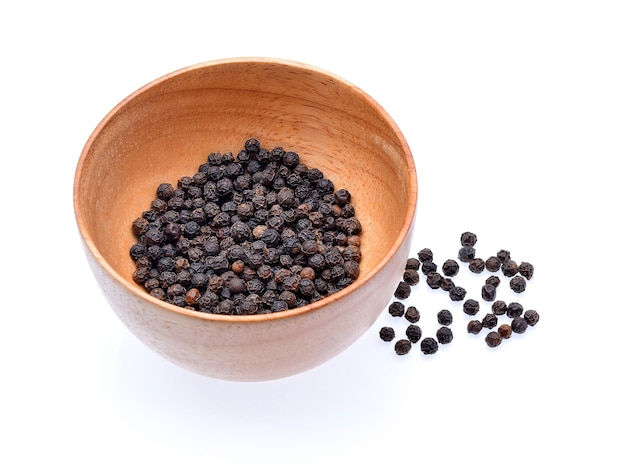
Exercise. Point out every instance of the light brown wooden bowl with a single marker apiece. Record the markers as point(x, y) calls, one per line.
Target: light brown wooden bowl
point(167, 128)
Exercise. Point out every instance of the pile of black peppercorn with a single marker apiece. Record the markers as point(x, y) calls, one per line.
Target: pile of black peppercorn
point(255, 233)
point(518, 275)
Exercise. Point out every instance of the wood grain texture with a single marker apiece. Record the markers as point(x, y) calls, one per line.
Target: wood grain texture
point(167, 128)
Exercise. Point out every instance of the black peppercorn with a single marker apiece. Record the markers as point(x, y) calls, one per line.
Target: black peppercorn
point(429, 346)
point(490, 321)
point(411, 276)
point(425, 254)
point(503, 255)
point(488, 292)
point(450, 268)
point(446, 284)
point(493, 339)
point(519, 325)
point(471, 307)
point(514, 310)
point(498, 307)
point(428, 266)
point(444, 335)
point(412, 263)
point(466, 254)
point(505, 331)
point(457, 293)
point(444, 317)
point(402, 347)
point(526, 269)
point(396, 309)
point(493, 280)
point(531, 317)
point(493, 264)
point(468, 239)
point(412, 314)
point(518, 284)
point(433, 279)
point(413, 333)
point(474, 326)
point(403, 290)
point(387, 334)
point(509, 268)
point(477, 265)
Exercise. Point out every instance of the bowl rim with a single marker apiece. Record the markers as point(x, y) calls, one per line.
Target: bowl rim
point(404, 231)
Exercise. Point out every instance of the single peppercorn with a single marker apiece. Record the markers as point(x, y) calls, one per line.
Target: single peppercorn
point(493, 339)
point(444, 317)
point(444, 335)
point(474, 326)
point(466, 254)
point(488, 292)
point(509, 268)
point(490, 321)
point(505, 331)
point(514, 310)
point(428, 266)
point(413, 263)
point(457, 293)
point(387, 334)
point(518, 284)
point(519, 325)
point(403, 291)
point(413, 333)
point(503, 255)
point(411, 276)
point(396, 309)
point(429, 346)
point(493, 280)
point(450, 268)
point(412, 314)
point(531, 317)
point(471, 307)
point(477, 265)
point(498, 307)
point(447, 284)
point(425, 254)
point(493, 264)
point(468, 239)
point(402, 347)
point(526, 269)
point(433, 279)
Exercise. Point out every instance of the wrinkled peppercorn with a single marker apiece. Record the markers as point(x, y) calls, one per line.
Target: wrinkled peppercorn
point(505, 331)
point(433, 279)
point(444, 335)
point(531, 317)
point(503, 255)
point(411, 276)
point(428, 266)
point(493, 280)
point(429, 346)
point(412, 314)
point(488, 292)
point(490, 321)
point(413, 333)
point(518, 284)
point(509, 268)
point(477, 265)
point(413, 263)
point(444, 317)
point(468, 239)
point(403, 291)
point(498, 307)
point(387, 334)
point(514, 310)
point(493, 264)
point(474, 326)
point(457, 293)
point(402, 347)
point(519, 325)
point(493, 339)
point(450, 268)
point(425, 254)
point(526, 269)
point(471, 307)
point(396, 309)
point(466, 254)
point(446, 284)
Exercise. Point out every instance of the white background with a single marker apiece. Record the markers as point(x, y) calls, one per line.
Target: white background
point(515, 113)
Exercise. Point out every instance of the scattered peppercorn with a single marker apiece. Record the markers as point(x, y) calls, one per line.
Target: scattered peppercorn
point(403, 291)
point(387, 334)
point(503, 255)
point(498, 307)
point(471, 307)
point(519, 325)
point(466, 254)
point(505, 331)
point(518, 284)
point(457, 293)
point(413, 263)
point(428, 266)
point(531, 317)
point(493, 280)
point(446, 284)
point(488, 292)
point(450, 268)
point(413, 333)
point(444, 317)
point(412, 314)
point(411, 276)
point(526, 269)
point(468, 239)
point(396, 309)
point(425, 254)
point(403, 347)
point(429, 346)
point(490, 321)
point(477, 265)
point(433, 279)
point(514, 309)
point(444, 335)
point(493, 339)
point(509, 268)
point(474, 326)
point(493, 264)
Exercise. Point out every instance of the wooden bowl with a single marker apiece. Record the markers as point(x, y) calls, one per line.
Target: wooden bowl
point(167, 128)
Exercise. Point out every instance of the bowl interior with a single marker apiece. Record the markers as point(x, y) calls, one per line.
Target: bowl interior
point(167, 129)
